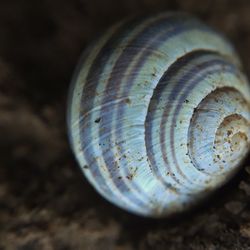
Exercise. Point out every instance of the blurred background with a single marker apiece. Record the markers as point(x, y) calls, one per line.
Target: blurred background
point(45, 202)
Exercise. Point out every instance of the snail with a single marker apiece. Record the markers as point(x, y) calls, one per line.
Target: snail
point(158, 113)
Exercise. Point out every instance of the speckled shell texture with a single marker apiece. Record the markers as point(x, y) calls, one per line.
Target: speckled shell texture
point(158, 113)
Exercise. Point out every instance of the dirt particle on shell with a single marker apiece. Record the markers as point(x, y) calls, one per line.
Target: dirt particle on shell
point(128, 101)
point(132, 174)
point(129, 177)
point(98, 120)
point(140, 159)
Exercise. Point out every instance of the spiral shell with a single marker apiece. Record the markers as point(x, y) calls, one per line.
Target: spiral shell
point(158, 113)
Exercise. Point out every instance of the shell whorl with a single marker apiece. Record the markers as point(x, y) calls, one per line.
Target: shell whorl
point(159, 113)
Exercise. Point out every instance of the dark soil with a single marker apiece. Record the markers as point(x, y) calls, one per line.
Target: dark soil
point(45, 202)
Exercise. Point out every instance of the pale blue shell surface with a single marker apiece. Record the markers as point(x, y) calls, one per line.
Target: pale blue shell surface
point(158, 113)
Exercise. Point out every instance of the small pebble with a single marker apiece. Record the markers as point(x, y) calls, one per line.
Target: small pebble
point(245, 187)
point(245, 215)
point(247, 169)
point(235, 207)
point(245, 230)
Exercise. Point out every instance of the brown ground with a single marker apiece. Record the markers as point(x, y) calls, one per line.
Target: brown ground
point(45, 203)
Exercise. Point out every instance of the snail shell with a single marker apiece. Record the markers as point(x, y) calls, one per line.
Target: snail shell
point(158, 113)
